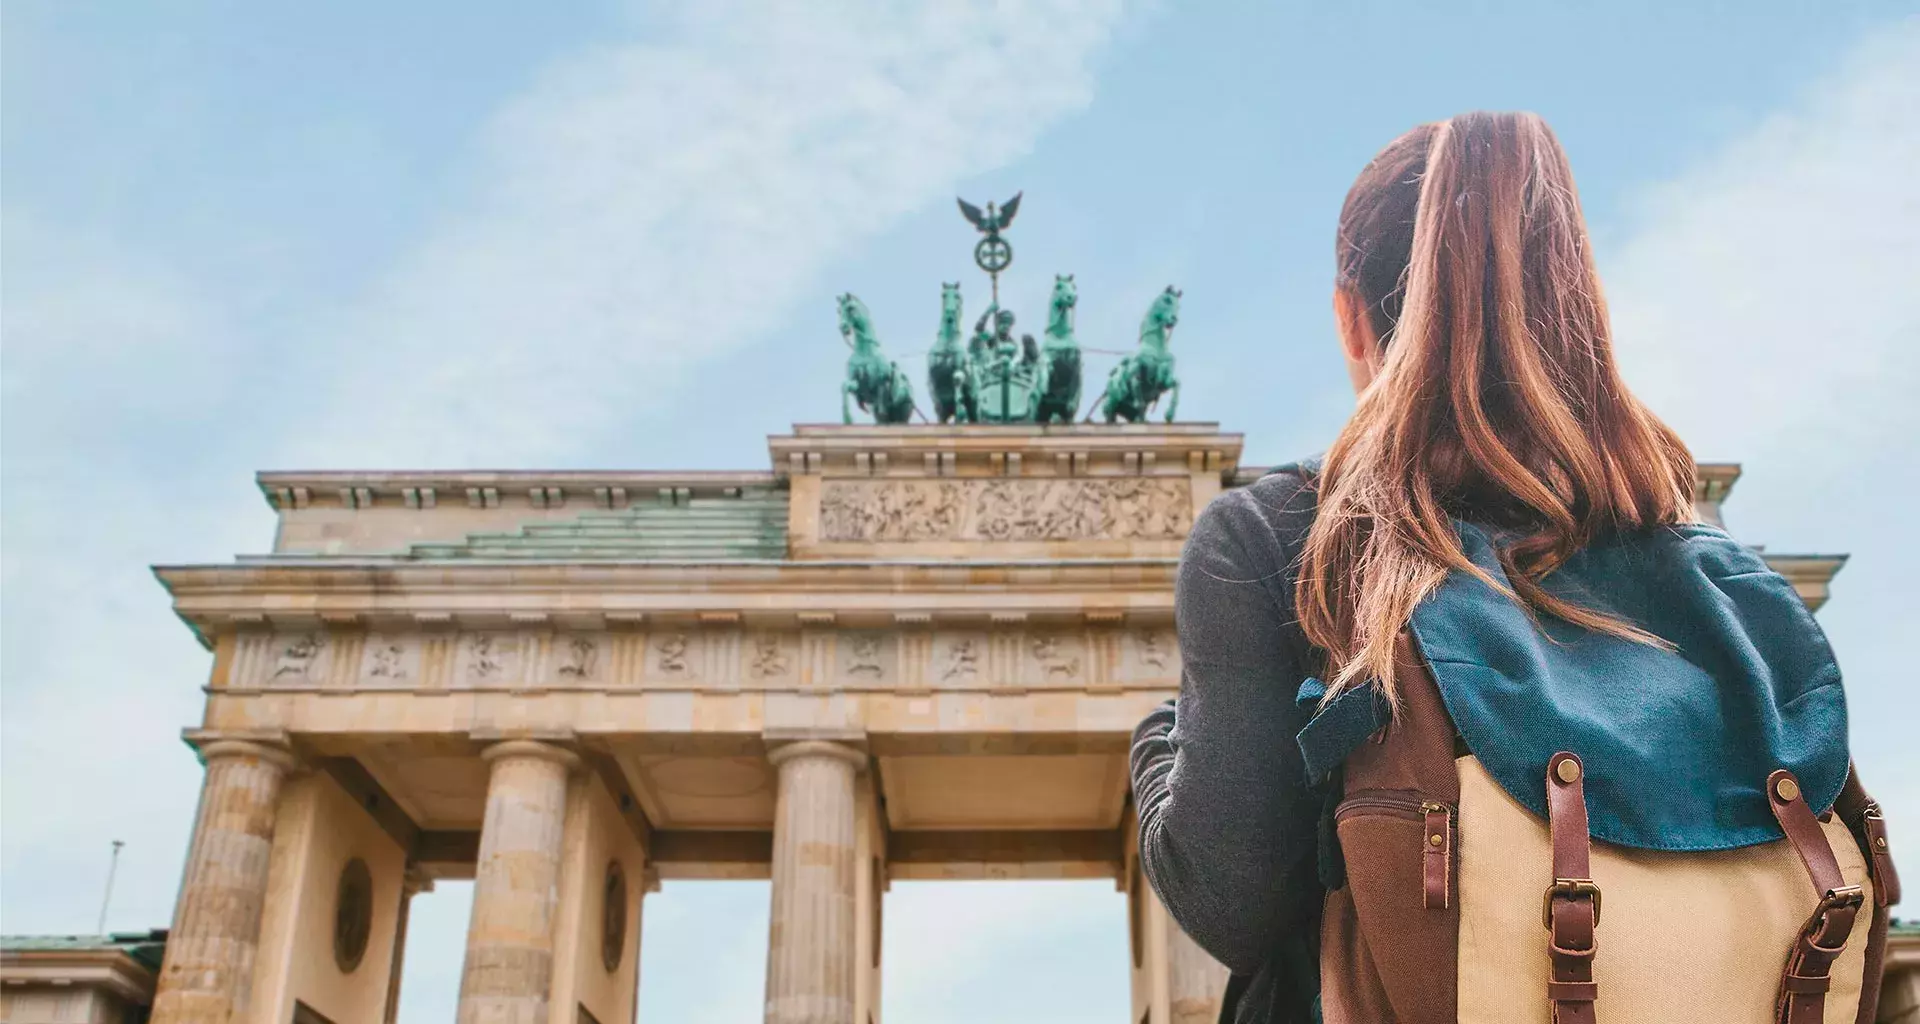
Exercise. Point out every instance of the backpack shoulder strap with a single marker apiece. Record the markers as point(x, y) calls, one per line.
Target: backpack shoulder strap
point(1804, 982)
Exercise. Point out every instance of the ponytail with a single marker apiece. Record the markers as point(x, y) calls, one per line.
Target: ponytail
point(1498, 399)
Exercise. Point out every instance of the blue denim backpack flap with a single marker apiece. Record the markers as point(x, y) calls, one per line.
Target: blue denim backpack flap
point(1678, 743)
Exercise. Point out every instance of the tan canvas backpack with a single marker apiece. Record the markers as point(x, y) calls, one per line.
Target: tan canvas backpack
point(1460, 903)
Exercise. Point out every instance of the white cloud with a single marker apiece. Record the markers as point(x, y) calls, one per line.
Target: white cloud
point(1767, 303)
point(641, 207)
point(649, 205)
point(98, 678)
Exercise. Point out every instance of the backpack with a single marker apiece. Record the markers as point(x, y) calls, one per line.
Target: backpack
point(1451, 900)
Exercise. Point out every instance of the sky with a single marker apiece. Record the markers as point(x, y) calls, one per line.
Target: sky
point(240, 236)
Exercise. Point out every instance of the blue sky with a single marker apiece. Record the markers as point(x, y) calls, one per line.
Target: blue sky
point(240, 236)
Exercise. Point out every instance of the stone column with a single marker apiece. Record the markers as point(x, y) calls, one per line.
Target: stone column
point(811, 960)
point(1196, 982)
point(207, 976)
point(509, 966)
point(413, 883)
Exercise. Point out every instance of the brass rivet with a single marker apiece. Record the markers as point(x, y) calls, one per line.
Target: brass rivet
point(1568, 771)
point(1788, 790)
point(1435, 840)
point(1880, 841)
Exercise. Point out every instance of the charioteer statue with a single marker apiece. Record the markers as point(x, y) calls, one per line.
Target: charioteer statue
point(995, 378)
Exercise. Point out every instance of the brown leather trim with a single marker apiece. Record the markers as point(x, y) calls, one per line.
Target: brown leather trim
point(1436, 862)
point(1803, 982)
point(1876, 966)
point(1863, 816)
point(1869, 826)
point(1415, 750)
point(1572, 901)
point(1383, 958)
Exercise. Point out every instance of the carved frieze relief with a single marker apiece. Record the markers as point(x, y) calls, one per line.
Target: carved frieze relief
point(958, 660)
point(298, 660)
point(908, 511)
point(1153, 650)
point(1011, 656)
point(672, 656)
point(1056, 658)
point(492, 659)
point(769, 658)
point(579, 658)
point(390, 661)
point(868, 658)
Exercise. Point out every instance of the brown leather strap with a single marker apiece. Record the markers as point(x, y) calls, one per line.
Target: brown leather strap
point(1803, 983)
point(1436, 866)
point(1869, 826)
point(1572, 901)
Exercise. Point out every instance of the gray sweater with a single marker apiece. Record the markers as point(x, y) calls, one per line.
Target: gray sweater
point(1228, 827)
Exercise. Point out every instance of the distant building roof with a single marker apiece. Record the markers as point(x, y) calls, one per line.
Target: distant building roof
point(145, 948)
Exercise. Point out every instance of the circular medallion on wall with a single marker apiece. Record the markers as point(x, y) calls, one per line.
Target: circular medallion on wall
point(613, 917)
point(352, 915)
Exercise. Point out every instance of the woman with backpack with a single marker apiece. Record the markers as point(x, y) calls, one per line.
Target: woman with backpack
point(1479, 674)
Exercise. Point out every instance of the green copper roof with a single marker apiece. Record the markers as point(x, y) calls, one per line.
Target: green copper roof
point(145, 947)
point(752, 526)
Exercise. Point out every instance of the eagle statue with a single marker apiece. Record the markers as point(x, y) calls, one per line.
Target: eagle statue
point(992, 221)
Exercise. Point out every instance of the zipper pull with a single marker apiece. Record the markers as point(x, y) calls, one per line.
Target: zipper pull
point(1436, 863)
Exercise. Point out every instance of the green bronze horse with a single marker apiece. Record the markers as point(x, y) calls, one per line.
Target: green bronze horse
point(1141, 378)
point(950, 377)
point(1059, 384)
point(874, 383)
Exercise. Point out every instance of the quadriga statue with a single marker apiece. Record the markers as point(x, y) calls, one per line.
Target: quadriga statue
point(1141, 378)
point(873, 382)
point(950, 371)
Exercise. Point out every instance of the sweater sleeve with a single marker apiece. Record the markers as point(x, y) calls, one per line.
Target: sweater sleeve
point(1227, 825)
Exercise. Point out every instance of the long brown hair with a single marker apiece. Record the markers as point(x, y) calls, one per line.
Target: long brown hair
point(1497, 400)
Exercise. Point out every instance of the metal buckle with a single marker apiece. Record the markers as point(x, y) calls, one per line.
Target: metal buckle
point(1845, 896)
point(1573, 889)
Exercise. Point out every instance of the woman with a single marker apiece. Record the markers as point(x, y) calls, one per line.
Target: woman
point(1482, 652)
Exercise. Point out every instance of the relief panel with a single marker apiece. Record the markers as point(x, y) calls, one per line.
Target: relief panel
point(1151, 654)
point(868, 659)
point(390, 662)
point(907, 511)
point(770, 660)
point(580, 659)
point(673, 656)
point(1056, 659)
point(297, 660)
point(491, 659)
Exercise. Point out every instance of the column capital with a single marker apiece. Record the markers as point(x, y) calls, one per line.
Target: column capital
point(540, 749)
point(415, 880)
point(781, 751)
point(216, 746)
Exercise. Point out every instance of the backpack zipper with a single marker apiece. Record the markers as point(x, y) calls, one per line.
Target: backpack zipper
point(1401, 803)
point(1440, 829)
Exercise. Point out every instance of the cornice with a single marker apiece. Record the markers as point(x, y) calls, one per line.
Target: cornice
point(1713, 481)
point(1080, 449)
point(298, 593)
point(355, 488)
point(1811, 575)
point(111, 969)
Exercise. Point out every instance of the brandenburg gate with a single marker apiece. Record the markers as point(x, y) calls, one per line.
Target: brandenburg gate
point(900, 652)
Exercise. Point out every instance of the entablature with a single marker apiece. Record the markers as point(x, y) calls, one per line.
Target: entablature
point(1130, 449)
point(303, 594)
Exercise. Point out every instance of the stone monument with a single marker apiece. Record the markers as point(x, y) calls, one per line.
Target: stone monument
point(895, 653)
